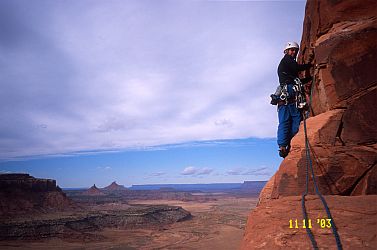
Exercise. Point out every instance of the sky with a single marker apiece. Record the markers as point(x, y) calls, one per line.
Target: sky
point(142, 92)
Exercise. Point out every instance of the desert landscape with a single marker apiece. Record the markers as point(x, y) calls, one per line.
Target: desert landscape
point(36, 214)
point(160, 110)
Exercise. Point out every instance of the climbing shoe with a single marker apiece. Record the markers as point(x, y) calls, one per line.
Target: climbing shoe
point(283, 152)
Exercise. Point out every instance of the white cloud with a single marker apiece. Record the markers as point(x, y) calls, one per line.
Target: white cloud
point(104, 168)
point(196, 171)
point(261, 171)
point(160, 175)
point(189, 171)
point(157, 174)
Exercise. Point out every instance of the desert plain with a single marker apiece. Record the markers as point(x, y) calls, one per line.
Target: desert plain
point(214, 224)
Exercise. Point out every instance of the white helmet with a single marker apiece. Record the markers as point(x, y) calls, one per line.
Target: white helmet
point(291, 45)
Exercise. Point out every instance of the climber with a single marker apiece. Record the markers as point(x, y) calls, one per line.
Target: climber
point(288, 113)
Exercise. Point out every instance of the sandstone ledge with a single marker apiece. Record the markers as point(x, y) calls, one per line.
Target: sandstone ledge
point(81, 223)
point(355, 218)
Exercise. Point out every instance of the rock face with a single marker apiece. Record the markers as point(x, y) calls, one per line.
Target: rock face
point(22, 193)
point(268, 227)
point(341, 37)
point(93, 191)
point(340, 169)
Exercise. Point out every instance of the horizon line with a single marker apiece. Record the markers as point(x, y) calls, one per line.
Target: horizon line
point(157, 184)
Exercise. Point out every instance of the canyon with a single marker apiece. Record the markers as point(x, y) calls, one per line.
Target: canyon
point(122, 218)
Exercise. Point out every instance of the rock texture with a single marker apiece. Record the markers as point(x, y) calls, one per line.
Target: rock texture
point(340, 169)
point(22, 193)
point(341, 38)
point(268, 227)
point(79, 224)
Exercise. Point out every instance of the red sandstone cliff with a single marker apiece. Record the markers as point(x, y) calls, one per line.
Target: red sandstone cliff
point(342, 37)
point(24, 194)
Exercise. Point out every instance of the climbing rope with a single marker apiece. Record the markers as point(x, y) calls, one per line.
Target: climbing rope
point(311, 91)
point(309, 165)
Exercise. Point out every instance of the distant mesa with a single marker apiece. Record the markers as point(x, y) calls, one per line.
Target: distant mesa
point(167, 189)
point(252, 186)
point(114, 187)
point(33, 208)
point(21, 193)
point(93, 191)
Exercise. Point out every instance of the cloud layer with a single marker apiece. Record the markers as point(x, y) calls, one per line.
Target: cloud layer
point(95, 75)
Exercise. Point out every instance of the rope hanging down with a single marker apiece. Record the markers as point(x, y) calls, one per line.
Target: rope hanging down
point(309, 164)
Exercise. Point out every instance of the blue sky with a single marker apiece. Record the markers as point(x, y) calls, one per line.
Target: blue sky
point(142, 91)
point(197, 162)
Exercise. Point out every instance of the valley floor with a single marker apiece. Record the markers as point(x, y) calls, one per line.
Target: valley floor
point(215, 225)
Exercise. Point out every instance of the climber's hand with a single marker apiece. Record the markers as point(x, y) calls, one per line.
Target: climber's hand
point(307, 88)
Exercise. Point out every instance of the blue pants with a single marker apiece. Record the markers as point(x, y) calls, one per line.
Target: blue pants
point(289, 122)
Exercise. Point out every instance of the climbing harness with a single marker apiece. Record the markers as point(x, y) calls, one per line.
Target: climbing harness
point(309, 165)
point(298, 88)
point(282, 97)
point(284, 93)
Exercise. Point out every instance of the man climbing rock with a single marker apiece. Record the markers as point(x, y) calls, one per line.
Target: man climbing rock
point(288, 112)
